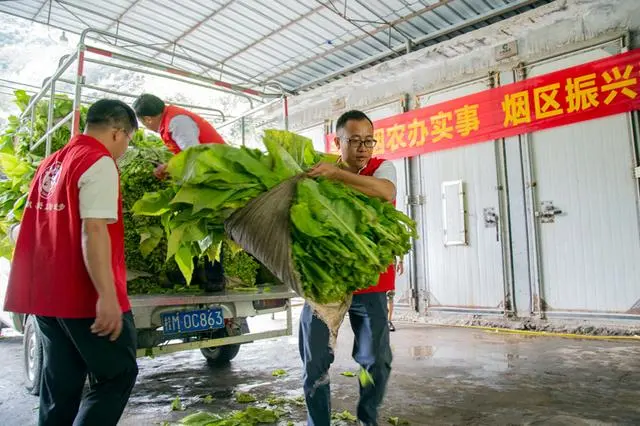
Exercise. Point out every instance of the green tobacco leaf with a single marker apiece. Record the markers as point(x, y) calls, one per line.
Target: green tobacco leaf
point(184, 259)
point(154, 203)
point(345, 416)
point(303, 220)
point(200, 418)
point(299, 147)
point(396, 421)
point(366, 379)
point(254, 167)
point(201, 197)
point(150, 237)
point(176, 404)
point(22, 99)
point(348, 374)
point(13, 167)
point(284, 166)
point(338, 215)
point(245, 398)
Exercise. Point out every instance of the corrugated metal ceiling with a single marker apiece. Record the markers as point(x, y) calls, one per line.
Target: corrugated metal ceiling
point(296, 44)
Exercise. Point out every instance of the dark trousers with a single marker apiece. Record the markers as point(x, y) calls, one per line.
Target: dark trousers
point(371, 349)
point(71, 352)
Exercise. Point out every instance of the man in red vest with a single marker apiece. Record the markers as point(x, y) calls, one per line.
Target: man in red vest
point(68, 271)
point(178, 128)
point(368, 313)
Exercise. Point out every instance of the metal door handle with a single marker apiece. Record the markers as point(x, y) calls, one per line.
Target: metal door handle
point(548, 212)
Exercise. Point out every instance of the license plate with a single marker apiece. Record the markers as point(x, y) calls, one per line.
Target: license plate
point(188, 321)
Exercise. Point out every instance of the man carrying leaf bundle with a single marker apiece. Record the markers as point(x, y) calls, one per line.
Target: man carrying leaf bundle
point(68, 273)
point(368, 312)
point(178, 128)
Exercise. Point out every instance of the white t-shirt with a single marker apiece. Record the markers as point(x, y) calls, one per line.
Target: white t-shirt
point(99, 191)
point(184, 131)
point(387, 171)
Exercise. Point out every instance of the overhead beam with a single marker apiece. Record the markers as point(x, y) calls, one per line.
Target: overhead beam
point(397, 49)
point(197, 25)
point(233, 74)
point(269, 35)
point(124, 12)
point(358, 39)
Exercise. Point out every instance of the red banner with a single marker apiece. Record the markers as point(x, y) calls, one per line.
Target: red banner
point(592, 90)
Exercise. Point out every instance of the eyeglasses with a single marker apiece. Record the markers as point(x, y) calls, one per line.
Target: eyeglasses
point(357, 143)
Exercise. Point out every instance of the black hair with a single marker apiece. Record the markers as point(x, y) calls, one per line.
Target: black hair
point(148, 105)
point(111, 112)
point(351, 115)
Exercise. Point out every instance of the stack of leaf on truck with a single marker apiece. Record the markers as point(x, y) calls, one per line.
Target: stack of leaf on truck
point(145, 242)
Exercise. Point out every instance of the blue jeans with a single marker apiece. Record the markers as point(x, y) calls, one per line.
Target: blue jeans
point(371, 349)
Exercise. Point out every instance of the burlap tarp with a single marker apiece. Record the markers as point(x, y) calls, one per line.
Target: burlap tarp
point(262, 229)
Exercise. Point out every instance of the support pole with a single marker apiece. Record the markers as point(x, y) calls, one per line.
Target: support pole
point(285, 110)
point(77, 101)
point(47, 149)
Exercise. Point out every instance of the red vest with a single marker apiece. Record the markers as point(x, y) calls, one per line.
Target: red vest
point(387, 281)
point(48, 275)
point(207, 134)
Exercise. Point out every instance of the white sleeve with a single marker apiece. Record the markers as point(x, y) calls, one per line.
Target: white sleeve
point(387, 171)
point(184, 131)
point(99, 191)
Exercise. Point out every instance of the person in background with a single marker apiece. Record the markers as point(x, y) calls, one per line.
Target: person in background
point(392, 293)
point(178, 128)
point(368, 312)
point(69, 271)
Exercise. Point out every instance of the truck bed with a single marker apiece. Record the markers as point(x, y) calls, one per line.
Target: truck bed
point(226, 296)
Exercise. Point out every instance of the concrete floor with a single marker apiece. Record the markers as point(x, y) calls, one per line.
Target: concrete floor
point(441, 376)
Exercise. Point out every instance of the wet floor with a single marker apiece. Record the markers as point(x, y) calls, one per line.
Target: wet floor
point(441, 376)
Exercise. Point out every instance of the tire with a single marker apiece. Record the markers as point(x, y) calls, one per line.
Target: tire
point(222, 355)
point(32, 356)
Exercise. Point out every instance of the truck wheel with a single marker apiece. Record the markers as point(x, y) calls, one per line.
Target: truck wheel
point(221, 355)
point(32, 355)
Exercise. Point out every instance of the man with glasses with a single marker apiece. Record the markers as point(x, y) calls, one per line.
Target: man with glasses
point(68, 272)
point(368, 312)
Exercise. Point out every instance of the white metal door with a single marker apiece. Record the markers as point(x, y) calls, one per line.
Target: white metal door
point(585, 197)
point(403, 286)
point(463, 239)
point(316, 134)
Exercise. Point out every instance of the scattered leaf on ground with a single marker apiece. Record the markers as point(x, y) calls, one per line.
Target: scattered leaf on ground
point(208, 399)
point(245, 398)
point(348, 374)
point(176, 405)
point(251, 416)
point(345, 415)
point(397, 421)
point(278, 373)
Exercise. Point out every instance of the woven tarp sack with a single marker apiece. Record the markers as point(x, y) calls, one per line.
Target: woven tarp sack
point(262, 229)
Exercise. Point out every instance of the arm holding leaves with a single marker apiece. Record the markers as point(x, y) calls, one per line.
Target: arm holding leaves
point(368, 185)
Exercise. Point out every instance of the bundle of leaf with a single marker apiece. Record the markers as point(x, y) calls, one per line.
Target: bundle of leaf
point(240, 268)
point(320, 237)
point(14, 188)
point(145, 240)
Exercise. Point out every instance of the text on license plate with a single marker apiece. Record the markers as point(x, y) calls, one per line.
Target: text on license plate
point(187, 321)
